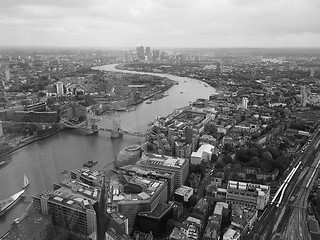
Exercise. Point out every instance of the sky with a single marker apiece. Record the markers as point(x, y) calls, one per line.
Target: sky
point(160, 23)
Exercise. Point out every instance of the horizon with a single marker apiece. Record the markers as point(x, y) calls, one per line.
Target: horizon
point(165, 23)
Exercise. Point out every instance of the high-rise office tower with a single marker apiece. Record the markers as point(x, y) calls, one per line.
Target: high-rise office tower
point(304, 96)
point(245, 102)
point(140, 52)
point(312, 71)
point(148, 52)
point(60, 89)
point(7, 74)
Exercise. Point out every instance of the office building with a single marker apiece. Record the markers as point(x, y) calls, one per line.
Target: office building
point(130, 195)
point(178, 166)
point(140, 52)
point(155, 220)
point(148, 52)
point(183, 193)
point(203, 154)
point(88, 176)
point(248, 194)
point(304, 96)
point(245, 102)
point(36, 107)
point(60, 88)
point(71, 208)
point(146, 172)
point(7, 74)
point(312, 71)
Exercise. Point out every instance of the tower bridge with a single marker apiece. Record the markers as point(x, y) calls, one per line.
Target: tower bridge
point(76, 116)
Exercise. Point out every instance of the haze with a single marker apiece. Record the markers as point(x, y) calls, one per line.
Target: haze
point(160, 23)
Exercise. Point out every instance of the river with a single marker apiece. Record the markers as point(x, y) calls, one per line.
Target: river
point(43, 161)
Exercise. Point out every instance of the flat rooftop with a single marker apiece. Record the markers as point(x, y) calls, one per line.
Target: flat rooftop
point(68, 198)
point(82, 188)
point(163, 161)
point(151, 189)
point(145, 171)
point(249, 187)
point(160, 210)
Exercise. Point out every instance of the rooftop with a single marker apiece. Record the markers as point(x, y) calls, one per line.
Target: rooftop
point(145, 171)
point(164, 161)
point(80, 187)
point(183, 190)
point(250, 187)
point(68, 198)
point(150, 186)
point(160, 210)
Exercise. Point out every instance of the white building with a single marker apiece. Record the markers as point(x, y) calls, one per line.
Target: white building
point(203, 154)
point(248, 194)
point(60, 89)
point(1, 130)
point(245, 102)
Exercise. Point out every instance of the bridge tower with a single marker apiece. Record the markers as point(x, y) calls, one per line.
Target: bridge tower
point(91, 123)
point(116, 130)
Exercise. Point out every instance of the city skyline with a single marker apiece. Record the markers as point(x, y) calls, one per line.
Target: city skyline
point(185, 24)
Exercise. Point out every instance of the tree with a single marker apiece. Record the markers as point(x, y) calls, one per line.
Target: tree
point(242, 155)
point(253, 152)
point(267, 156)
point(228, 148)
point(214, 158)
point(219, 165)
point(227, 159)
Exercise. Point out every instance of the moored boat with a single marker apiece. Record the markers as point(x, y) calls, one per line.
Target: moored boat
point(8, 203)
point(3, 163)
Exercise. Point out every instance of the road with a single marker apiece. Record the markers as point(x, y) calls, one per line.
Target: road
point(286, 217)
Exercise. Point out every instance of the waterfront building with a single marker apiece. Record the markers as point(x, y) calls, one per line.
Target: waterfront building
point(146, 172)
point(128, 155)
point(71, 211)
point(155, 220)
point(178, 166)
point(248, 194)
point(88, 176)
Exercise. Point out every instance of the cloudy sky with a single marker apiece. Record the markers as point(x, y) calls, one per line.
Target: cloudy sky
point(160, 23)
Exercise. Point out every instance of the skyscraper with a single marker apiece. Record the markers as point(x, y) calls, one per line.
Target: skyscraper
point(304, 96)
point(148, 52)
point(140, 52)
point(312, 71)
point(245, 102)
point(103, 220)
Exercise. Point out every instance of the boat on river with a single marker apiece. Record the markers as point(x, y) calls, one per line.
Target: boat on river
point(25, 181)
point(8, 203)
point(90, 163)
point(3, 163)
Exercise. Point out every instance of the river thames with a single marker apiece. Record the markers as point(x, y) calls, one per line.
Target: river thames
point(43, 161)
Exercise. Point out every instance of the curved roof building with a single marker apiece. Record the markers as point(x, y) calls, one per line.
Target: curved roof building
point(128, 155)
